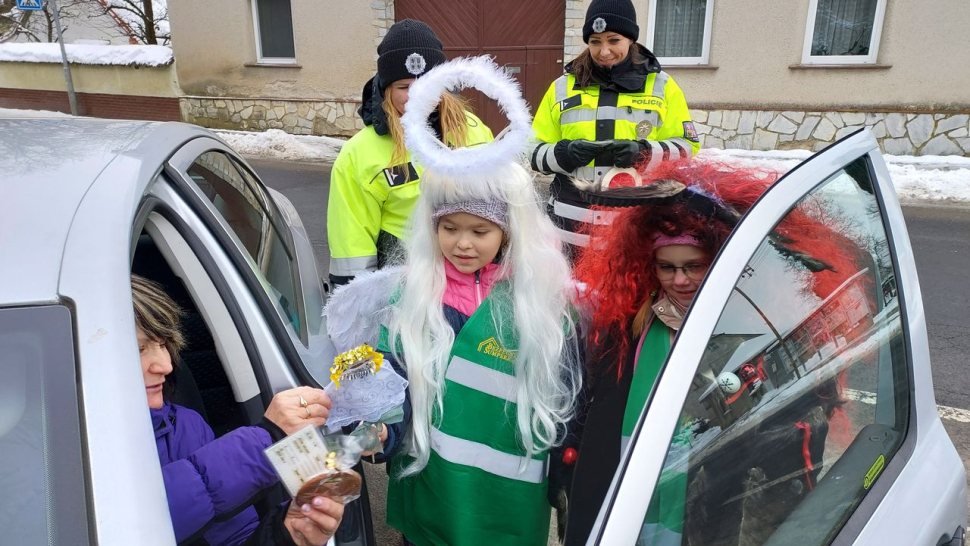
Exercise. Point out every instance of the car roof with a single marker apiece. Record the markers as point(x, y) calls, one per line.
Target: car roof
point(48, 167)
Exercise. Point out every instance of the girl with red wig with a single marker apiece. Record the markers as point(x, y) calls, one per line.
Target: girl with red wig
point(641, 277)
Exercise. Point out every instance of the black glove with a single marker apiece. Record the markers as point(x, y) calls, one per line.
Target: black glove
point(578, 153)
point(624, 152)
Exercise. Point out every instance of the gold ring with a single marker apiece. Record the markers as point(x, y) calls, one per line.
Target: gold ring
point(307, 412)
point(303, 403)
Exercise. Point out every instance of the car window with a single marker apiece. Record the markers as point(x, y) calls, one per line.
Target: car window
point(253, 218)
point(802, 395)
point(42, 498)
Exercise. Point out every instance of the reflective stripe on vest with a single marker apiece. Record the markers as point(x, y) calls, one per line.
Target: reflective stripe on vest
point(493, 461)
point(481, 378)
point(575, 239)
point(660, 84)
point(351, 267)
point(562, 89)
point(580, 214)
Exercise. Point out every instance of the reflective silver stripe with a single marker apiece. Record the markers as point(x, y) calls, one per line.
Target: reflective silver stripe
point(683, 143)
point(659, 83)
point(606, 112)
point(656, 156)
point(481, 378)
point(483, 457)
point(562, 92)
point(549, 153)
point(576, 239)
point(577, 115)
point(579, 214)
point(350, 267)
point(590, 173)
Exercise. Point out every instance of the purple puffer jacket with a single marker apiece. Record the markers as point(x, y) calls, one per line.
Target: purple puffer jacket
point(207, 477)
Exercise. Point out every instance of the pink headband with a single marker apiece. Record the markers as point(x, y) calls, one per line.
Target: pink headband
point(660, 240)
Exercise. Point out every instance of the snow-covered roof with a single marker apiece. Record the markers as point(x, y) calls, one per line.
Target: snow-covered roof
point(116, 55)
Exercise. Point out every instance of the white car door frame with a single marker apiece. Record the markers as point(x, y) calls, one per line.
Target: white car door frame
point(874, 521)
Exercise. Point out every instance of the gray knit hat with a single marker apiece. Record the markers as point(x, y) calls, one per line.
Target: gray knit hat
point(493, 210)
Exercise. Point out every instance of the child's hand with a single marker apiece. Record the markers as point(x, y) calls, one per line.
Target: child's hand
point(382, 436)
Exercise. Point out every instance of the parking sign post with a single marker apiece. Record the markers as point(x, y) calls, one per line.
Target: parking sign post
point(38, 5)
point(67, 67)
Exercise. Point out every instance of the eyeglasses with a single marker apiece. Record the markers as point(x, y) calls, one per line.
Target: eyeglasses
point(694, 272)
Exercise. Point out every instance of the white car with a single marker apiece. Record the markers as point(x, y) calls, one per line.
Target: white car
point(762, 363)
point(86, 203)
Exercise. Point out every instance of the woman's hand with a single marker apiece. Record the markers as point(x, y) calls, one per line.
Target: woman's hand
point(313, 524)
point(294, 409)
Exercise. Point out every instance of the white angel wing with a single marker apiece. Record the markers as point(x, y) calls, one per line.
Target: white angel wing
point(355, 311)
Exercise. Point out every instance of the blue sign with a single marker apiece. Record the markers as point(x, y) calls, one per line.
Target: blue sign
point(30, 5)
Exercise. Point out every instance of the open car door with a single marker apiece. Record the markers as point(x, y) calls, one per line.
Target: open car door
point(797, 404)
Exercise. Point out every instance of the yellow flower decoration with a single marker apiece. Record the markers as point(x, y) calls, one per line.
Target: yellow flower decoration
point(364, 355)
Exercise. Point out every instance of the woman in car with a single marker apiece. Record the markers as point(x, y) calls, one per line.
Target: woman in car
point(211, 482)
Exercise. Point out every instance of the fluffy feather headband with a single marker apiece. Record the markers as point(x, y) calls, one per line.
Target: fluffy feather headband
point(465, 73)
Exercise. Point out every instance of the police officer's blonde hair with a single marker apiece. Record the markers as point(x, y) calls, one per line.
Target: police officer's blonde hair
point(454, 125)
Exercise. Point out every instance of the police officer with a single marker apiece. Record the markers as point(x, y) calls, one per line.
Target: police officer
point(373, 183)
point(612, 108)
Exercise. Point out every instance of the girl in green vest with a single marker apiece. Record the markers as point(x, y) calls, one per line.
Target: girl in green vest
point(484, 329)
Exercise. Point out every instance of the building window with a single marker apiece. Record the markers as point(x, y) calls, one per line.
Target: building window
point(679, 31)
point(273, 21)
point(843, 31)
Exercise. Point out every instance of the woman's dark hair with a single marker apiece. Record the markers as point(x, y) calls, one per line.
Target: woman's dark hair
point(158, 316)
point(583, 64)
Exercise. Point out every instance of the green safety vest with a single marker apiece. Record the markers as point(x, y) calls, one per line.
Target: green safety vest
point(368, 196)
point(472, 491)
point(664, 522)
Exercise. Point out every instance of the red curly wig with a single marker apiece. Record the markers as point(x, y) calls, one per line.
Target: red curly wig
point(618, 269)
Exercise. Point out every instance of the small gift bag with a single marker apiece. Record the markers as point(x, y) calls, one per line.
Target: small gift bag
point(313, 465)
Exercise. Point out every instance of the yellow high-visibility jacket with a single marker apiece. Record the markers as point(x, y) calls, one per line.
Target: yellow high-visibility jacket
point(368, 196)
point(657, 115)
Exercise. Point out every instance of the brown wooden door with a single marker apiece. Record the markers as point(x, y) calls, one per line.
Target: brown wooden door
point(524, 36)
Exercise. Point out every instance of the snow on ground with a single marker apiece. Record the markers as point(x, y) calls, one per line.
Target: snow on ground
point(277, 144)
point(121, 55)
point(941, 180)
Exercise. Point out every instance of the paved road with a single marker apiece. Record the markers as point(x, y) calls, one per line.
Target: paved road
point(941, 244)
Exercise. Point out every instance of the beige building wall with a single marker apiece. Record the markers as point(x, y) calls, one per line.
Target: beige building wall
point(756, 51)
point(143, 81)
point(216, 50)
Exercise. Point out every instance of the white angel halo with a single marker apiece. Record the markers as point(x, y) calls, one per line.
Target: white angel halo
point(484, 75)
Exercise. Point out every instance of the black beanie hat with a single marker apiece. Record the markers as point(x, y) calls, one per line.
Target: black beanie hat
point(617, 16)
point(409, 49)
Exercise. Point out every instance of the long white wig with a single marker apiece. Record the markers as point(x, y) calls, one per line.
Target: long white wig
point(547, 368)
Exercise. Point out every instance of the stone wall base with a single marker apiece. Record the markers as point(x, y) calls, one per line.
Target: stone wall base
point(298, 117)
point(898, 133)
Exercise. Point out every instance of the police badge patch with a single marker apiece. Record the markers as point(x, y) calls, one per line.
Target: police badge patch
point(599, 25)
point(415, 64)
point(689, 132)
point(643, 129)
